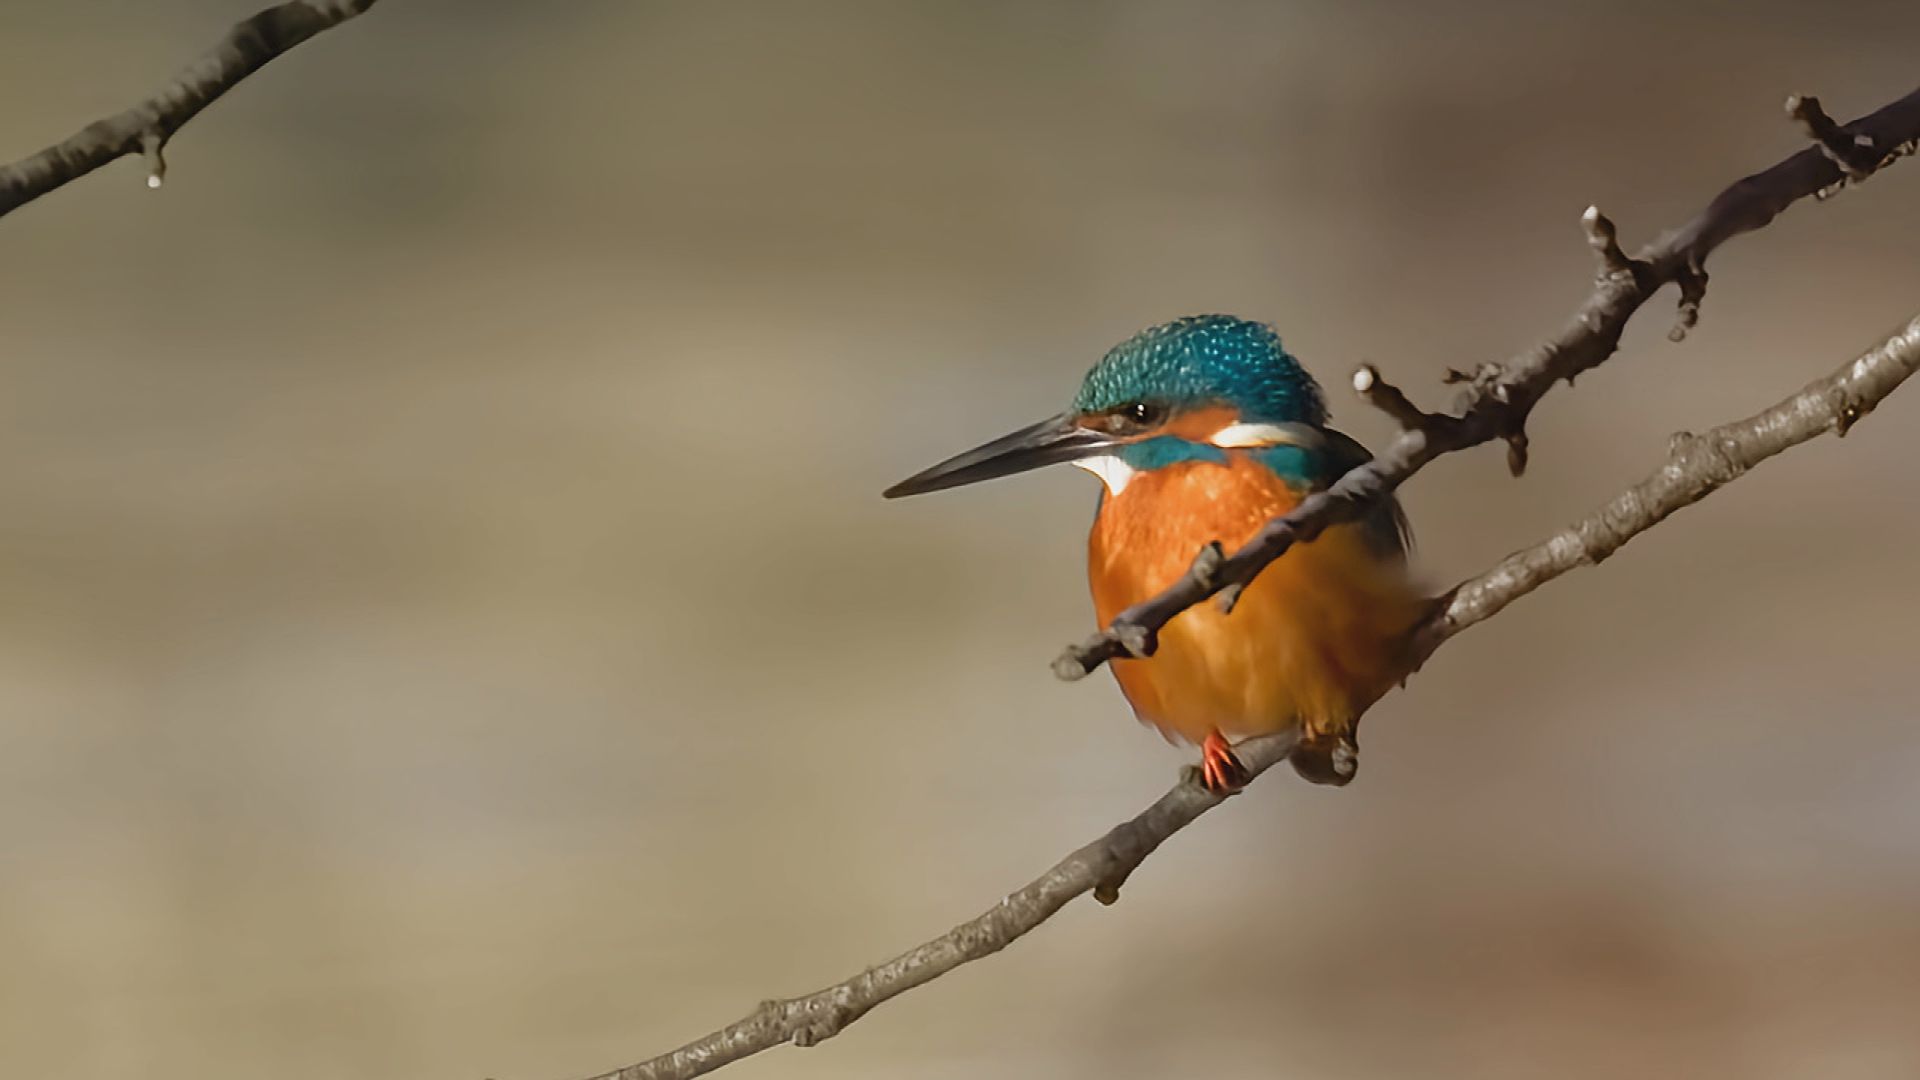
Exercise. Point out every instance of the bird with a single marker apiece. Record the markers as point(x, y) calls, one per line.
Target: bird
point(1201, 430)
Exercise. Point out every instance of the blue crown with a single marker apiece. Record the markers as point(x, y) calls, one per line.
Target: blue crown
point(1206, 359)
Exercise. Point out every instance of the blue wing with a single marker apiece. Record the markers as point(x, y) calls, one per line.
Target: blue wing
point(1312, 458)
point(1386, 527)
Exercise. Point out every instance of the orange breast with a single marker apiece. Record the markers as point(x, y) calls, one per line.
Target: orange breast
point(1314, 639)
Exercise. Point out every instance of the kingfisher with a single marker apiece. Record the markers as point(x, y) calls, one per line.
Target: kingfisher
point(1202, 430)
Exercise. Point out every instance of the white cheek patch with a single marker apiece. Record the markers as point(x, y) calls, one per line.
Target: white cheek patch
point(1113, 472)
point(1238, 436)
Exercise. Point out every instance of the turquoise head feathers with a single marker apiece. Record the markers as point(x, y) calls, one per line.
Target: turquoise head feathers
point(1205, 360)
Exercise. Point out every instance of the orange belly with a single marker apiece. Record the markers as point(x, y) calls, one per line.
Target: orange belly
point(1315, 639)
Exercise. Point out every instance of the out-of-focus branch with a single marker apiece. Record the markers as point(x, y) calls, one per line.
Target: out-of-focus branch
point(1696, 467)
point(145, 128)
point(1500, 397)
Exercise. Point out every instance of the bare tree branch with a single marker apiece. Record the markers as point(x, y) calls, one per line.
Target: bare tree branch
point(145, 128)
point(1496, 406)
point(1696, 467)
point(1100, 868)
point(1500, 397)
point(1856, 156)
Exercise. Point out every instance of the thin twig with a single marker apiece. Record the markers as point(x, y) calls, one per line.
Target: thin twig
point(145, 128)
point(1697, 466)
point(1502, 396)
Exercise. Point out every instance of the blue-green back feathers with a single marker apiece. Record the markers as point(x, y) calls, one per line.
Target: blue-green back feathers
point(1386, 527)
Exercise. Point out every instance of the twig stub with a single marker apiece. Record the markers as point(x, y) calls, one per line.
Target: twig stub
point(1854, 154)
point(1604, 239)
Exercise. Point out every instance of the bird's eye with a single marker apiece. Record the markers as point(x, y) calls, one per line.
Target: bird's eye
point(1132, 418)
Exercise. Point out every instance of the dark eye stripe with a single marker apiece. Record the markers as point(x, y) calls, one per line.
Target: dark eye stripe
point(1131, 418)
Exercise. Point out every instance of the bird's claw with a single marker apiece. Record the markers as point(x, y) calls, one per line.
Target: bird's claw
point(1221, 772)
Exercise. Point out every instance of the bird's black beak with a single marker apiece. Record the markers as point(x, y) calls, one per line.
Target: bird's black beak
point(1048, 442)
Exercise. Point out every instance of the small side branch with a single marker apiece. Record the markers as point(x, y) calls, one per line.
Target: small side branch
point(145, 128)
point(1376, 391)
point(1697, 466)
point(1501, 397)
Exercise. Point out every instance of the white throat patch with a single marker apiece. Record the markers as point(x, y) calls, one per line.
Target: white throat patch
point(1111, 470)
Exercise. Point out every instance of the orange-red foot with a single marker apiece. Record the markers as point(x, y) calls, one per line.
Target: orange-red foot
point(1220, 771)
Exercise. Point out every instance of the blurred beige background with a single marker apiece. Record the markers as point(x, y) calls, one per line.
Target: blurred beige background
point(450, 627)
